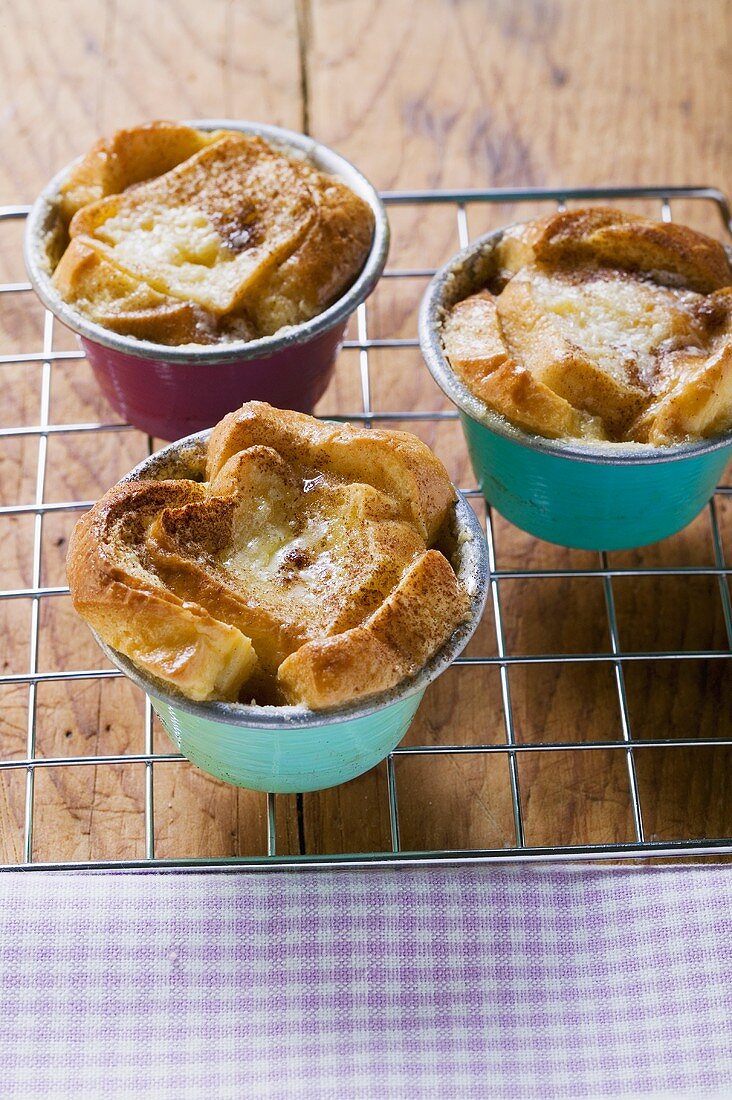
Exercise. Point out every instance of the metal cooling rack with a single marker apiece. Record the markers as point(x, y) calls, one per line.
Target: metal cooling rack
point(511, 748)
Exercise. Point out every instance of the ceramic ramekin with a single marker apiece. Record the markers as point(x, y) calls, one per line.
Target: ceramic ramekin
point(170, 392)
point(591, 496)
point(286, 749)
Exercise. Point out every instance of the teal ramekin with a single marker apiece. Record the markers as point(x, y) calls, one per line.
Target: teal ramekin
point(289, 749)
point(584, 495)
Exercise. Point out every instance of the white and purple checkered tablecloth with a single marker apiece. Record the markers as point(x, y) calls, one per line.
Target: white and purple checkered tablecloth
point(498, 981)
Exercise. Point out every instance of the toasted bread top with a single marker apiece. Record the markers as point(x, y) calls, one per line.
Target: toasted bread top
point(601, 325)
point(309, 546)
point(220, 222)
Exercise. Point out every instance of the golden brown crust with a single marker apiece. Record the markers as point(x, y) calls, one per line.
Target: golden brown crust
point(551, 357)
point(130, 156)
point(696, 405)
point(632, 243)
point(109, 296)
point(322, 266)
point(286, 544)
point(395, 642)
point(478, 354)
point(245, 237)
point(113, 588)
point(210, 228)
point(605, 326)
point(397, 463)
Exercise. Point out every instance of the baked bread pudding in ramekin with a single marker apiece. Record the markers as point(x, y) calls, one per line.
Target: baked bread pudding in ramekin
point(204, 264)
point(185, 236)
point(590, 355)
point(282, 573)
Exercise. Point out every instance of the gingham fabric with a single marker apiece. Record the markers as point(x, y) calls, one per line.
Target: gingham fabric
point(497, 981)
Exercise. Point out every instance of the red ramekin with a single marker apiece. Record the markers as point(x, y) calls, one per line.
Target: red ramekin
point(171, 392)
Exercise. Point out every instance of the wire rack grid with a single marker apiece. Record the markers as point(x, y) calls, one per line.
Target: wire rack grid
point(510, 747)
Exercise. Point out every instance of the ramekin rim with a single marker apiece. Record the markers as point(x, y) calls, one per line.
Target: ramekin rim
point(282, 719)
point(597, 454)
point(241, 350)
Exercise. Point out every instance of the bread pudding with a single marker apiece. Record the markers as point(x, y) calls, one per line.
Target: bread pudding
point(303, 567)
point(177, 235)
point(598, 325)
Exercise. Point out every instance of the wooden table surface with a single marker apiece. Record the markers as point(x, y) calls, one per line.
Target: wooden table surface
point(420, 94)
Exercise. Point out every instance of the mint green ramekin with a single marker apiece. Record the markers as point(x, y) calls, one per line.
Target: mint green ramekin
point(289, 749)
point(590, 496)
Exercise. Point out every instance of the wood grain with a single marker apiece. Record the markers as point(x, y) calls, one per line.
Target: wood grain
point(534, 92)
point(419, 93)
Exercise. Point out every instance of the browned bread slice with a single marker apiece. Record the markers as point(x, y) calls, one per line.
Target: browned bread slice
point(323, 265)
point(109, 296)
point(130, 156)
point(210, 227)
point(396, 463)
point(393, 643)
point(516, 248)
point(116, 591)
point(668, 252)
point(477, 352)
point(695, 405)
point(288, 542)
point(563, 332)
point(286, 559)
point(473, 338)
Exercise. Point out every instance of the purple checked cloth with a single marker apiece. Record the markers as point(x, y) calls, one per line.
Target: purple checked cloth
point(513, 981)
